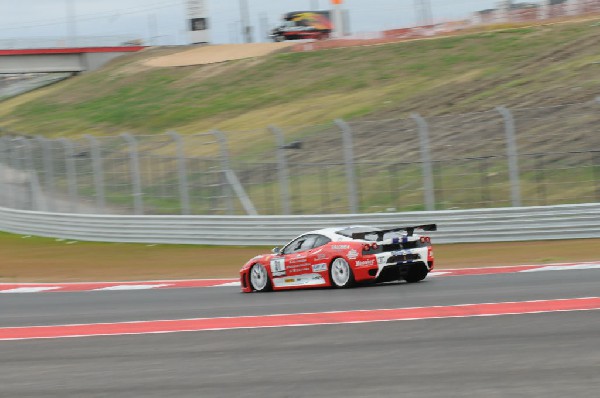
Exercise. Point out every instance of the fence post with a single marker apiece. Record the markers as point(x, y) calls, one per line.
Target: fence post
point(513, 155)
point(13, 161)
point(48, 170)
point(224, 158)
point(4, 184)
point(38, 201)
point(282, 171)
point(98, 168)
point(349, 163)
point(71, 174)
point(232, 179)
point(138, 202)
point(428, 184)
point(184, 194)
point(26, 195)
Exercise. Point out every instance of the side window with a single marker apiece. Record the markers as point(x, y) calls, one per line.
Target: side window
point(320, 241)
point(293, 246)
point(309, 242)
point(301, 244)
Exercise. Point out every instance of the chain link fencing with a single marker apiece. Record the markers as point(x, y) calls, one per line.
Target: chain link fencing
point(498, 158)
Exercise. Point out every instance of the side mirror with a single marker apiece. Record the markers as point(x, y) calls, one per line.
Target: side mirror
point(276, 250)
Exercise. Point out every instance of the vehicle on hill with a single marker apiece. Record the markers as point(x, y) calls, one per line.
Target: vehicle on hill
point(341, 257)
point(298, 25)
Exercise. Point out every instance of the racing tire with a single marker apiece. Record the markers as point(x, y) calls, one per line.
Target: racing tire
point(340, 274)
point(416, 274)
point(259, 278)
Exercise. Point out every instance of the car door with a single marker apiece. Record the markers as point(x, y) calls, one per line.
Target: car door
point(318, 256)
point(296, 255)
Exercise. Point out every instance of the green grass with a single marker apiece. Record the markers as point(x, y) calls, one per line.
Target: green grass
point(308, 88)
point(35, 259)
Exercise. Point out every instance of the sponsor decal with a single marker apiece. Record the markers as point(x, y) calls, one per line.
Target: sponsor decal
point(298, 269)
point(308, 279)
point(340, 247)
point(352, 254)
point(319, 267)
point(365, 263)
point(321, 256)
point(278, 266)
point(298, 260)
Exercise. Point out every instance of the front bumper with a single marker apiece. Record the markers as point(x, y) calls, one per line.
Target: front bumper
point(245, 281)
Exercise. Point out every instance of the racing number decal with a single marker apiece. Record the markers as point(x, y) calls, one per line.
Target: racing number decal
point(278, 266)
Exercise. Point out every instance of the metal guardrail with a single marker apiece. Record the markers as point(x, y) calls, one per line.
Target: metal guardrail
point(455, 226)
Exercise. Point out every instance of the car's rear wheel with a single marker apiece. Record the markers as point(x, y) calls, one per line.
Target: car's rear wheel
point(259, 278)
point(416, 274)
point(341, 274)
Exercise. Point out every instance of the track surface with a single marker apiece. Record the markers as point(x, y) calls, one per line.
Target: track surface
point(550, 354)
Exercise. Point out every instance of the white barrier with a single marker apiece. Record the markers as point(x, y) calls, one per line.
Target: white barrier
point(454, 226)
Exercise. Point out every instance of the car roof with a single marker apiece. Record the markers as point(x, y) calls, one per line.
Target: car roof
point(332, 232)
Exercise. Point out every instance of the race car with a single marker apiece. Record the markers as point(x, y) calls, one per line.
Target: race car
point(342, 257)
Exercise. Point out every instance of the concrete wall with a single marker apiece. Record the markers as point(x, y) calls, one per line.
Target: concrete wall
point(41, 63)
point(53, 61)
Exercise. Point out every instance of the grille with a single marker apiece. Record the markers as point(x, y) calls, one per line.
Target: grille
point(402, 257)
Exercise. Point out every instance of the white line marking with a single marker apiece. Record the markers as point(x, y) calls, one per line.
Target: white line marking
point(229, 284)
point(563, 268)
point(113, 282)
point(30, 289)
point(438, 273)
point(130, 287)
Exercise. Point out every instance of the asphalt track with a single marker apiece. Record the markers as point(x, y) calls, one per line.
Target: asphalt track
point(552, 354)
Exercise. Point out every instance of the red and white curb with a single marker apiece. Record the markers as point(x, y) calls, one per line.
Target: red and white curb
point(516, 269)
point(197, 283)
point(113, 286)
point(303, 319)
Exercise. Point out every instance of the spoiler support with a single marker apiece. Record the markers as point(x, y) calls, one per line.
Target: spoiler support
point(409, 231)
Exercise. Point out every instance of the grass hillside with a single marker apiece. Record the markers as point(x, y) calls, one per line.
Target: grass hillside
point(542, 65)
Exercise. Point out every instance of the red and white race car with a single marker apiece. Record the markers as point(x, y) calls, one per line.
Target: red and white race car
point(341, 257)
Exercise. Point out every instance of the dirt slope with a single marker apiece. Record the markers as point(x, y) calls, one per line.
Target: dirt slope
point(205, 55)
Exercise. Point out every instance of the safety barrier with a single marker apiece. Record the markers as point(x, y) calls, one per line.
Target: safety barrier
point(454, 226)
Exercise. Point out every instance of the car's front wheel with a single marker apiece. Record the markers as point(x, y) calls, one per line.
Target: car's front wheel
point(259, 278)
point(341, 274)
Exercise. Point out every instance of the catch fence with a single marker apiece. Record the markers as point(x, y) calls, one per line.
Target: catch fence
point(498, 158)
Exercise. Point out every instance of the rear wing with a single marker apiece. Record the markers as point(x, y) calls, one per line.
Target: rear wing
point(380, 234)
